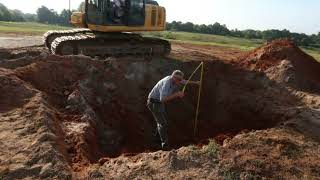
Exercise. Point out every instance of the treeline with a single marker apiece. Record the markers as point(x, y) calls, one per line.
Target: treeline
point(15, 15)
point(49, 16)
point(44, 15)
point(221, 29)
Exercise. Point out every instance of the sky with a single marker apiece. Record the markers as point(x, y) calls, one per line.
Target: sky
point(301, 16)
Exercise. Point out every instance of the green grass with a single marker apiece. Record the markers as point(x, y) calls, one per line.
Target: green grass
point(225, 41)
point(207, 39)
point(30, 28)
point(212, 149)
point(315, 52)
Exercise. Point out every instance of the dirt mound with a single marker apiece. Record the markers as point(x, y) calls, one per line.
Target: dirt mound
point(16, 53)
point(284, 62)
point(27, 140)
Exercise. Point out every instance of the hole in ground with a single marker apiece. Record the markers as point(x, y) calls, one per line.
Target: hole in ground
point(101, 106)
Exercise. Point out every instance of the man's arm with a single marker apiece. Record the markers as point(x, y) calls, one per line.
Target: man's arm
point(165, 93)
point(190, 82)
point(194, 82)
point(176, 95)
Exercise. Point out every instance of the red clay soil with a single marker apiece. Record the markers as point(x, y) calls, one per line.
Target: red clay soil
point(99, 107)
point(195, 52)
point(276, 51)
point(116, 93)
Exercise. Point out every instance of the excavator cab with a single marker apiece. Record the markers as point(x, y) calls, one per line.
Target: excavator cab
point(116, 12)
point(121, 16)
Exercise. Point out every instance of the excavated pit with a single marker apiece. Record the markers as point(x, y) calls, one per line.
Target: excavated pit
point(100, 109)
point(69, 113)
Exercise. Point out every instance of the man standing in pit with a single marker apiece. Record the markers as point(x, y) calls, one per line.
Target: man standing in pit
point(163, 92)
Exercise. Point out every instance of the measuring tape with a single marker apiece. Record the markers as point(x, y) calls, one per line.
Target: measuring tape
point(201, 65)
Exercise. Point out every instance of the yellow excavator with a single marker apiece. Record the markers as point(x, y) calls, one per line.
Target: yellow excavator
point(106, 28)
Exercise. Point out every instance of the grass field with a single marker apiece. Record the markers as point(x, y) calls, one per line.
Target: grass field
point(30, 28)
point(206, 39)
point(315, 52)
point(226, 41)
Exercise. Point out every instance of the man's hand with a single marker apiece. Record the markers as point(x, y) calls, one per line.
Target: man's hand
point(197, 83)
point(176, 95)
point(190, 82)
point(180, 94)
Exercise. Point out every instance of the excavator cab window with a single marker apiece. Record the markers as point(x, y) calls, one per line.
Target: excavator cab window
point(116, 12)
point(136, 15)
point(95, 11)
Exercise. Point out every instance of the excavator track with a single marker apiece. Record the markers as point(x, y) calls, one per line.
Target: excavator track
point(109, 44)
point(50, 36)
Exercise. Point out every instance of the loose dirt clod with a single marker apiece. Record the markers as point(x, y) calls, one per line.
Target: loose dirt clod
point(84, 118)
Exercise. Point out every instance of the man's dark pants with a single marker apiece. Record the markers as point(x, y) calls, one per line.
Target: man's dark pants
point(160, 116)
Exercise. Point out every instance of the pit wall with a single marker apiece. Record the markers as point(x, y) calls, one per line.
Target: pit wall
point(101, 105)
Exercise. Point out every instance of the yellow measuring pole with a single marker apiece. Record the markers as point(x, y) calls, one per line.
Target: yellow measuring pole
point(198, 105)
point(201, 65)
point(194, 72)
